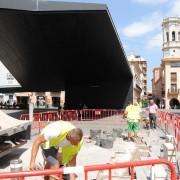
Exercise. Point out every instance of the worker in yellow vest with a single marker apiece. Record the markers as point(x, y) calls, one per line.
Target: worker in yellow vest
point(132, 113)
point(57, 136)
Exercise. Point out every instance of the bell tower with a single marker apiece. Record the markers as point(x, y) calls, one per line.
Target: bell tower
point(171, 62)
point(171, 37)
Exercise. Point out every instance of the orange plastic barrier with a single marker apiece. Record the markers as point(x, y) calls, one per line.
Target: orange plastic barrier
point(87, 169)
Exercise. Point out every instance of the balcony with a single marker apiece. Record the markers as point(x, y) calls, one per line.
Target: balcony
point(173, 91)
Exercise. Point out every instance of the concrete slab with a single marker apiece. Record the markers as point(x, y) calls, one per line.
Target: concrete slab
point(10, 125)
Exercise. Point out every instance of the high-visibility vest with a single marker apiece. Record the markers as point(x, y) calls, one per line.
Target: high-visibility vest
point(68, 152)
point(133, 113)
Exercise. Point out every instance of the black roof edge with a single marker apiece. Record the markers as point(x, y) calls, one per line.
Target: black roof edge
point(53, 5)
point(120, 43)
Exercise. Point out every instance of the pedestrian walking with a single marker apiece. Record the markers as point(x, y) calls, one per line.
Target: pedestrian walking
point(153, 108)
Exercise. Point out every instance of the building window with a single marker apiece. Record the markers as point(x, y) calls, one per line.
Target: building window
point(179, 36)
point(167, 36)
point(173, 87)
point(173, 36)
point(175, 64)
point(173, 77)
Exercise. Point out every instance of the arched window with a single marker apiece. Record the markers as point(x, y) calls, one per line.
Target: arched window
point(173, 36)
point(178, 36)
point(167, 36)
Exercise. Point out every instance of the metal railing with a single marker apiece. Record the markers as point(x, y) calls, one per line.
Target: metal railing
point(170, 123)
point(70, 115)
point(42, 116)
point(41, 119)
point(87, 169)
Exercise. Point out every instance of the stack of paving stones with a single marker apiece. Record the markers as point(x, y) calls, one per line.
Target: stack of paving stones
point(105, 139)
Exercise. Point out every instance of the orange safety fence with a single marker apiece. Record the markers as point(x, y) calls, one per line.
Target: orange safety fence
point(87, 169)
point(41, 119)
point(37, 126)
point(70, 115)
point(94, 114)
point(42, 116)
point(170, 123)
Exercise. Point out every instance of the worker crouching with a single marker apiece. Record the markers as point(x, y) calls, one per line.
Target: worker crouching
point(60, 142)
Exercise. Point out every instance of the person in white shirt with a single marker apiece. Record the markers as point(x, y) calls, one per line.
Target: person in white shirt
point(153, 108)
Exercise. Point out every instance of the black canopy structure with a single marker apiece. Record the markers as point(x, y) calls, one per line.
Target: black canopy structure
point(53, 46)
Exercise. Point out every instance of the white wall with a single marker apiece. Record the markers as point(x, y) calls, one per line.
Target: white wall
point(6, 80)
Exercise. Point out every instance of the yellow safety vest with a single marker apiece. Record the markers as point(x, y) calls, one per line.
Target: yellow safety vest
point(68, 152)
point(133, 113)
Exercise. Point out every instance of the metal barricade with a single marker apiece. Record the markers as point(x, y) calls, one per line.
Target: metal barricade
point(68, 115)
point(49, 116)
point(41, 119)
point(95, 114)
point(37, 116)
point(71, 115)
point(24, 117)
point(177, 120)
point(170, 124)
point(42, 116)
point(37, 126)
point(87, 169)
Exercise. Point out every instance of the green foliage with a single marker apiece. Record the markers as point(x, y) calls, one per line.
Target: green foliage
point(145, 103)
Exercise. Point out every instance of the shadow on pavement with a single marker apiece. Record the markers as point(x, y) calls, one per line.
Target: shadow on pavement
point(5, 161)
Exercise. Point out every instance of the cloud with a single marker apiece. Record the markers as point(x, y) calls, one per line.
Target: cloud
point(137, 29)
point(175, 8)
point(150, 2)
point(153, 21)
point(155, 41)
point(144, 26)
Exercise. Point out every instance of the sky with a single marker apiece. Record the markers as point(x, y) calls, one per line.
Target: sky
point(138, 23)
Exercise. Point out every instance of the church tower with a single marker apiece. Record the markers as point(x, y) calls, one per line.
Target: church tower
point(171, 62)
point(171, 37)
